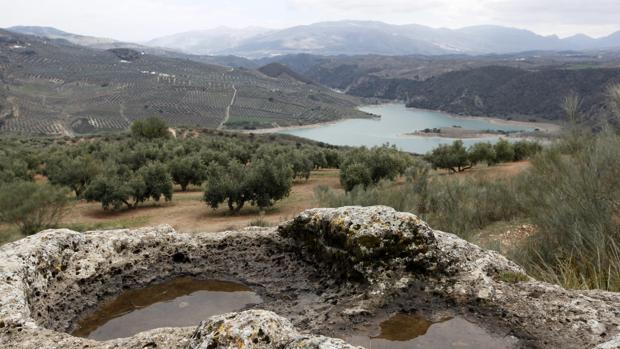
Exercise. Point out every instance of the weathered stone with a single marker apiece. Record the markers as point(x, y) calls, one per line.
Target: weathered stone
point(392, 261)
point(256, 329)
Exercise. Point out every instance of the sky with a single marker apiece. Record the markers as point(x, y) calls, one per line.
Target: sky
point(142, 20)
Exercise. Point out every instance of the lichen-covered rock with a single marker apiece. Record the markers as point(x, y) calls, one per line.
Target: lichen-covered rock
point(384, 246)
point(363, 240)
point(257, 329)
point(394, 251)
point(392, 262)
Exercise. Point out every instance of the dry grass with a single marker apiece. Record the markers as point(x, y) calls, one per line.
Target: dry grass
point(187, 213)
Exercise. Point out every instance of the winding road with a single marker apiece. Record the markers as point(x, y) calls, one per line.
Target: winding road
point(227, 114)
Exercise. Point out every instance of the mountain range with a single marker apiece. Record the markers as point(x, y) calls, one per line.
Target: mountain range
point(353, 38)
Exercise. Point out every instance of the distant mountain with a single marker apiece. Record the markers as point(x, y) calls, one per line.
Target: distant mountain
point(204, 42)
point(53, 33)
point(105, 44)
point(368, 37)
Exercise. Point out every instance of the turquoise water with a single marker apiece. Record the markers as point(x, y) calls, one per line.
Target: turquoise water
point(395, 121)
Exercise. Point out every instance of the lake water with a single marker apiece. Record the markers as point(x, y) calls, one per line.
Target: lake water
point(396, 120)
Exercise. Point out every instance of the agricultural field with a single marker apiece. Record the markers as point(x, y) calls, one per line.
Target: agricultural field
point(52, 87)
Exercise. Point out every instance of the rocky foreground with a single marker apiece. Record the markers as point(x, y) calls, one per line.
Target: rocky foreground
point(323, 274)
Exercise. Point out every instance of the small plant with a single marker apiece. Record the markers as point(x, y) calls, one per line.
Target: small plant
point(32, 207)
point(512, 277)
point(259, 222)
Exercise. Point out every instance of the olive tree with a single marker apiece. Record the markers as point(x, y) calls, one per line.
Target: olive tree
point(120, 186)
point(453, 157)
point(261, 182)
point(32, 206)
point(150, 128)
point(75, 173)
point(364, 166)
point(504, 151)
point(187, 170)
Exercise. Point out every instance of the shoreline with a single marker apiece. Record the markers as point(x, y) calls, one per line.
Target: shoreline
point(284, 128)
point(544, 127)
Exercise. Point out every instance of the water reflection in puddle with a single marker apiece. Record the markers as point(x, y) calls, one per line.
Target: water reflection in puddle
point(411, 332)
point(180, 302)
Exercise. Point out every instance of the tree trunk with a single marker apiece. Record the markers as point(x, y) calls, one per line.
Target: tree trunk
point(239, 206)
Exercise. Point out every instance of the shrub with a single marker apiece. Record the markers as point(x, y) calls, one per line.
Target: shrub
point(150, 128)
point(31, 206)
point(482, 152)
point(504, 151)
point(525, 150)
point(364, 166)
point(573, 201)
point(460, 206)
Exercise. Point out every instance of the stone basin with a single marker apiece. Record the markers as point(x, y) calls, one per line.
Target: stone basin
point(327, 273)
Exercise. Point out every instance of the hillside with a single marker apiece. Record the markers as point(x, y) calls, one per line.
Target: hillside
point(346, 72)
point(277, 70)
point(500, 91)
point(55, 87)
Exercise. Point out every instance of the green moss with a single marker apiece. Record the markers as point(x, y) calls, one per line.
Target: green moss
point(368, 241)
point(512, 277)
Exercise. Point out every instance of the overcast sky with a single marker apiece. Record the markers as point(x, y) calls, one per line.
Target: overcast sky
point(141, 20)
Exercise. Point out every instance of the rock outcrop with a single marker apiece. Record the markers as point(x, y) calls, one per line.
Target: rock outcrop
point(257, 329)
point(323, 273)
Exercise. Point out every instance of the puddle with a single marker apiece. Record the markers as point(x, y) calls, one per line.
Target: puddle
point(177, 303)
point(411, 331)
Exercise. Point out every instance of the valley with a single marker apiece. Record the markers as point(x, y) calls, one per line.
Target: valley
point(57, 88)
point(338, 184)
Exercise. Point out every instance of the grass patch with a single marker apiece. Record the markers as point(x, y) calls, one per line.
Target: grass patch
point(512, 277)
point(259, 222)
point(120, 223)
point(9, 234)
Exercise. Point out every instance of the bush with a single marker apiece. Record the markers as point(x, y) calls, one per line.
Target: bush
point(31, 206)
point(364, 166)
point(573, 201)
point(525, 150)
point(504, 151)
point(150, 128)
point(482, 152)
point(460, 206)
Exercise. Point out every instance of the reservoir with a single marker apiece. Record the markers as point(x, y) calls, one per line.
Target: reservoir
point(395, 121)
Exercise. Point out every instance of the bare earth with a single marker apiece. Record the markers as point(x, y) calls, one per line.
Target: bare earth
point(187, 213)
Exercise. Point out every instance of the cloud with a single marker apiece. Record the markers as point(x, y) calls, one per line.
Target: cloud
point(369, 6)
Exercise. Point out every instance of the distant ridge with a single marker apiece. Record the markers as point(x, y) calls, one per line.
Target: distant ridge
point(369, 37)
point(346, 38)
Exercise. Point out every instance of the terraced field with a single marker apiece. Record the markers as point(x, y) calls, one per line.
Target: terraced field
point(53, 87)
